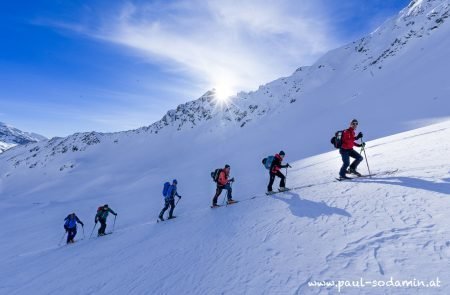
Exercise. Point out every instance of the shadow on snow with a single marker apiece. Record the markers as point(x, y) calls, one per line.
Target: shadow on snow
point(416, 183)
point(306, 208)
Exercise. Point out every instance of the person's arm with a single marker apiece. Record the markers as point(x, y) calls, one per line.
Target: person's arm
point(276, 163)
point(112, 212)
point(79, 221)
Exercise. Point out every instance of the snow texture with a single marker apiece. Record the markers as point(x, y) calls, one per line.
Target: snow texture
point(394, 224)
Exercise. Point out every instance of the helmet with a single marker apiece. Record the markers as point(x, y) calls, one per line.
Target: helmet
point(281, 153)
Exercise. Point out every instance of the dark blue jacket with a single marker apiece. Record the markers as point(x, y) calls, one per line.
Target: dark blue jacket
point(171, 192)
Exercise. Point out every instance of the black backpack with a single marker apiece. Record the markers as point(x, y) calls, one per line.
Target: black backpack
point(336, 140)
point(215, 174)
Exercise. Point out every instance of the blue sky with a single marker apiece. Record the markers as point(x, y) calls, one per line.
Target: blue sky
point(69, 66)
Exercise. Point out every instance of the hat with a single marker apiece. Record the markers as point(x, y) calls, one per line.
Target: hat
point(354, 121)
point(281, 153)
point(227, 166)
point(106, 205)
point(175, 181)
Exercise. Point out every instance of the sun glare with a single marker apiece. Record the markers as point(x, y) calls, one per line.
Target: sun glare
point(223, 93)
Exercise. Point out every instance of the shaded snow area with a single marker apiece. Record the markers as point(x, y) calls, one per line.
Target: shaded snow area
point(394, 224)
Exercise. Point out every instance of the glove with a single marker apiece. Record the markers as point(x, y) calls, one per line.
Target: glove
point(232, 179)
point(96, 220)
point(360, 135)
point(363, 144)
point(289, 166)
point(179, 197)
point(82, 224)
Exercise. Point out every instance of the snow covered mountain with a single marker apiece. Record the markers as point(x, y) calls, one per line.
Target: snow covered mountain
point(10, 137)
point(392, 225)
point(393, 80)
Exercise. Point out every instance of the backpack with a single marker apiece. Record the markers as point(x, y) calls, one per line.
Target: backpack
point(215, 174)
point(267, 162)
point(166, 189)
point(336, 140)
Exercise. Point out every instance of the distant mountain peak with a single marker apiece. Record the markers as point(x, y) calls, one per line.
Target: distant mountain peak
point(11, 136)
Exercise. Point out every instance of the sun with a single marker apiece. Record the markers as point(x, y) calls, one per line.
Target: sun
point(222, 94)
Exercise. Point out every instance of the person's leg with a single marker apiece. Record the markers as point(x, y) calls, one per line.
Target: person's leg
point(172, 207)
point(358, 159)
point(229, 190)
point(272, 179)
point(216, 196)
point(345, 162)
point(282, 179)
point(69, 235)
point(166, 206)
point(102, 228)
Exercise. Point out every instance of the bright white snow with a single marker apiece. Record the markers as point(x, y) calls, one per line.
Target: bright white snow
point(390, 225)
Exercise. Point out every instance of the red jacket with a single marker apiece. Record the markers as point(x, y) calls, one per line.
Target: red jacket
point(276, 164)
point(223, 178)
point(348, 139)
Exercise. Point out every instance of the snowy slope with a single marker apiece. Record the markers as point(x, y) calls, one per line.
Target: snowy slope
point(391, 225)
point(10, 137)
point(262, 245)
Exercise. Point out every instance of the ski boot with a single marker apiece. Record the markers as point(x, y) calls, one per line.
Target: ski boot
point(172, 217)
point(283, 189)
point(161, 218)
point(353, 171)
point(343, 177)
point(231, 201)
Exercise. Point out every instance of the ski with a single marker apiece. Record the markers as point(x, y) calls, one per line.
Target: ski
point(279, 191)
point(226, 205)
point(158, 220)
point(234, 202)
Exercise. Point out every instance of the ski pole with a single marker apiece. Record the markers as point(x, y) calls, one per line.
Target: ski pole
point(83, 232)
point(365, 156)
point(62, 238)
point(92, 230)
point(177, 202)
point(114, 224)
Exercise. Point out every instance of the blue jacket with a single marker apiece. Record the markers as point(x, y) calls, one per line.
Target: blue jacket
point(71, 221)
point(171, 192)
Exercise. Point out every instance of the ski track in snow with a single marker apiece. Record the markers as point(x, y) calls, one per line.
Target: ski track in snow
point(389, 225)
point(392, 225)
